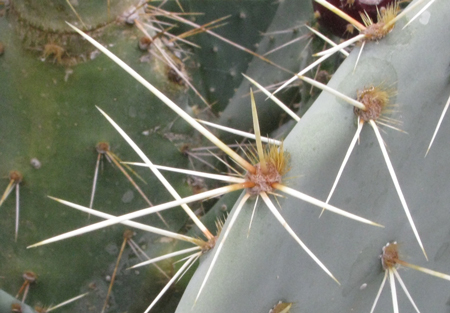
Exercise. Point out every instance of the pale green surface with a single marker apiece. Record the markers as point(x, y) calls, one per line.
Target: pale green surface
point(7, 300)
point(253, 274)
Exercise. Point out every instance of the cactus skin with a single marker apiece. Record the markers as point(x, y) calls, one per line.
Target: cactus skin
point(6, 301)
point(219, 64)
point(252, 274)
point(53, 120)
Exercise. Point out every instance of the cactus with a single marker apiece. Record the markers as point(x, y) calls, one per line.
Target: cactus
point(267, 267)
point(54, 122)
point(252, 274)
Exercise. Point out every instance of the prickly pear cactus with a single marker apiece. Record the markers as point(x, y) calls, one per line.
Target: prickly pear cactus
point(50, 130)
point(253, 274)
